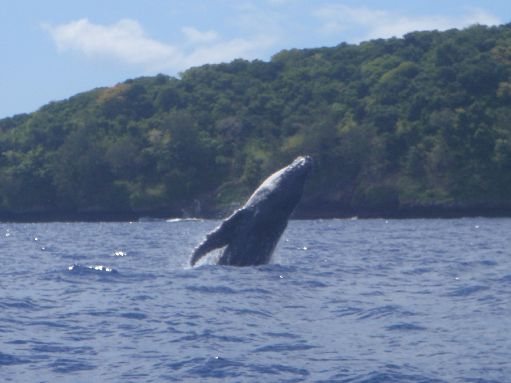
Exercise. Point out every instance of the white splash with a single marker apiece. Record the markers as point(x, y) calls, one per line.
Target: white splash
point(174, 220)
point(91, 267)
point(101, 268)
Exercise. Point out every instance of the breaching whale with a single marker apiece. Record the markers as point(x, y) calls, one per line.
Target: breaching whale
point(251, 233)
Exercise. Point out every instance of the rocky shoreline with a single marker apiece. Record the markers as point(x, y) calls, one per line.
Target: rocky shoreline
point(302, 212)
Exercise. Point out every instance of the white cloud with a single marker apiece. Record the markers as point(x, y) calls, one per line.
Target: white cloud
point(194, 36)
point(480, 16)
point(127, 43)
point(229, 50)
point(123, 41)
point(279, 2)
point(338, 18)
point(253, 19)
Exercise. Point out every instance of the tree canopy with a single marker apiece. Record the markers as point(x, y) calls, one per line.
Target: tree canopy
point(393, 124)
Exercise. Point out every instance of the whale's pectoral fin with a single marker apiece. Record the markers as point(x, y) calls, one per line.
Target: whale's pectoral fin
point(220, 237)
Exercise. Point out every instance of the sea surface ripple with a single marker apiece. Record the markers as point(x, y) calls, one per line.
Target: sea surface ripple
point(343, 301)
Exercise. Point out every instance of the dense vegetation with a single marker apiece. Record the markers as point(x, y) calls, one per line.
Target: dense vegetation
point(416, 122)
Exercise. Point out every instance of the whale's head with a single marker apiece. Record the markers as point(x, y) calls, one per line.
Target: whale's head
point(300, 167)
point(284, 188)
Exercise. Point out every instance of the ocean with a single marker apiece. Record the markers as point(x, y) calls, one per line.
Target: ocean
point(418, 300)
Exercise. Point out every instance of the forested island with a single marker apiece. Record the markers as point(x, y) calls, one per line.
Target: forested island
point(412, 126)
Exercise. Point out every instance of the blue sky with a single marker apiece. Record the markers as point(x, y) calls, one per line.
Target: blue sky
point(54, 49)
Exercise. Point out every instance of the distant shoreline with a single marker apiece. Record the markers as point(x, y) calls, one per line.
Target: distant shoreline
point(302, 213)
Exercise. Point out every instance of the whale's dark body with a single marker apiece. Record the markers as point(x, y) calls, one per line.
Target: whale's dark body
point(251, 233)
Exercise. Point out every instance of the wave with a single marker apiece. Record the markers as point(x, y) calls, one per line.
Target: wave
point(212, 289)
point(467, 290)
point(218, 367)
point(66, 365)
point(385, 311)
point(134, 315)
point(9, 360)
point(388, 377)
point(405, 327)
point(23, 304)
point(285, 347)
point(506, 279)
point(92, 269)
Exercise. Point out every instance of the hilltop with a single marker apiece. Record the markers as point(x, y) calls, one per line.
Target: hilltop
point(419, 126)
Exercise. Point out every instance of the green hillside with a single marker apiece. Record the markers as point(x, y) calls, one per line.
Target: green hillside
point(398, 125)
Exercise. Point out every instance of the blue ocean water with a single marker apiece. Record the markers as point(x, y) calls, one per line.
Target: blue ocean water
point(343, 301)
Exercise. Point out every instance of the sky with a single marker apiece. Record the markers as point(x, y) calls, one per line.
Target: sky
point(53, 49)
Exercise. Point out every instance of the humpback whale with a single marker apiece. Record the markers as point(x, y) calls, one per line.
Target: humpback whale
point(251, 233)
